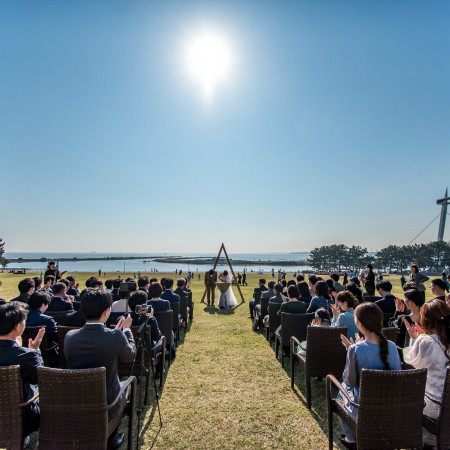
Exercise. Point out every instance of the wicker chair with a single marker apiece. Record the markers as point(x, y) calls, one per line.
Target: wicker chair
point(175, 307)
point(274, 319)
point(125, 370)
point(257, 297)
point(389, 410)
point(30, 333)
point(191, 310)
point(291, 325)
point(184, 312)
point(62, 331)
point(12, 433)
point(264, 302)
point(164, 319)
point(390, 333)
point(58, 316)
point(440, 427)
point(74, 409)
point(325, 355)
point(76, 305)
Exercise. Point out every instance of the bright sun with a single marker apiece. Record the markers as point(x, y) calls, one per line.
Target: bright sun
point(209, 61)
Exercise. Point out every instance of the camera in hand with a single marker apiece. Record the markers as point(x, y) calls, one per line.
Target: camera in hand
point(142, 309)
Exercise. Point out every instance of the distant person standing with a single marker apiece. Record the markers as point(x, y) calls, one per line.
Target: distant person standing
point(52, 270)
point(402, 280)
point(417, 279)
point(244, 279)
point(99, 272)
point(369, 282)
point(239, 278)
point(273, 273)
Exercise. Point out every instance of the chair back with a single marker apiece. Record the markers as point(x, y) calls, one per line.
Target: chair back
point(294, 325)
point(76, 305)
point(73, 408)
point(443, 421)
point(58, 316)
point(62, 331)
point(264, 306)
point(184, 308)
point(113, 318)
point(390, 333)
point(257, 297)
point(30, 333)
point(164, 319)
point(274, 318)
point(325, 353)
point(175, 307)
point(390, 408)
point(11, 414)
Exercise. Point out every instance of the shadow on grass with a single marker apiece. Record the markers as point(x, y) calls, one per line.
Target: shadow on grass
point(215, 310)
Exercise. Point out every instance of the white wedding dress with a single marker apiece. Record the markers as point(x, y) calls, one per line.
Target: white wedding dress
point(229, 295)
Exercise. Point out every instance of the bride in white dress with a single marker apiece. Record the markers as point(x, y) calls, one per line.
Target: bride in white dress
point(229, 297)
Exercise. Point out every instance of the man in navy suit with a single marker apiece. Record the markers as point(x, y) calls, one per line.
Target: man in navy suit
point(58, 301)
point(277, 290)
point(387, 302)
point(73, 286)
point(258, 290)
point(168, 293)
point(26, 288)
point(12, 324)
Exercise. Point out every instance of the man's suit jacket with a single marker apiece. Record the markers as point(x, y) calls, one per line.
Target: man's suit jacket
point(268, 294)
point(72, 291)
point(210, 280)
point(170, 296)
point(22, 298)
point(59, 304)
point(28, 360)
point(75, 319)
point(276, 299)
point(180, 292)
point(36, 319)
point(261, 289)
point(387, 304)
point(94, 345)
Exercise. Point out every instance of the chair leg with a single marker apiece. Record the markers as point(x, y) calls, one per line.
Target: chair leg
point(147, 387)
point(276, 347)
point(292, 371)
point(308, 391)
point(330, 428)
point(131, 412)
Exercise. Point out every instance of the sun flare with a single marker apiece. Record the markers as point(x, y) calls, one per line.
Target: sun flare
point(209, 61)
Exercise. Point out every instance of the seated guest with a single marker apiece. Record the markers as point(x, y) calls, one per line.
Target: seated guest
point(58, 301)
point(73, 286)
point(37, 283)
point(26, 288)
point(96, 283)
point(159, 305)
point(49, 281)
point(331, 289)
point(438, 288)
point(122, 304)
point(387, 302)
point(168, 292)
point(321, 318)
point(356, 291)
point(12, 324)
point(266, 294)
point(258, 290)
point(66, 283)
point(284, 284)
point(143, 284)
point(300, 278)
point(153, 280)
point(373, 352)
point(76, 318)
point(277, 290)
point(312, 280)
point(321, 299)
point(343, 309)
point(183, 291)
point(337, 286)
point(431, 350)
point(95, 345)
point(109, 285)
point(293, 305)
point(355, 281)
point(305, 295)
point(115, 290)
point(406, 311)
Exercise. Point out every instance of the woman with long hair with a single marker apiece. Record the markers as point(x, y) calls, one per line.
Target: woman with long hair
point(431, 350)
point(322, 298)
point(372, 352)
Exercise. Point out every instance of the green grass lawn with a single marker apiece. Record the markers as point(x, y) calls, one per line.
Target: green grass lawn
point(225, 388)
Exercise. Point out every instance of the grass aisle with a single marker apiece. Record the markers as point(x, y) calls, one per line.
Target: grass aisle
point(226, 390)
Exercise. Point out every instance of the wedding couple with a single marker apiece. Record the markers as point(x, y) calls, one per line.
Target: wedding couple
point(227, 298)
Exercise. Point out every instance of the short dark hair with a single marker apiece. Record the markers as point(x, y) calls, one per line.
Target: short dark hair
point(355, 290)
point(322, 289)
point(94, 302)
point(291, 283)
point(109, 284)
point(49, 278)
point(143, 281)
point(300, 278)
point(415, 296)
point(271, 284)
point(369, 266)
point(58, 287)
point(303, 288)
point(153, 280)
point(409, 287)
point(37, 282)
point(70, 278)
point(38, 298)
point(89, 281)
point(312, 279)
point(335, 277)
point(96, 283)
point(116, 283)
point(293, 291)
point(283, 282)
point(168, 283)
point(11, 314)
point(278, 288)
point(355, 280)
point(155, 290)
point(439, 283)
point(262, 280)
point(25, 285)
point(181, 282)
point(211, 272)
point(384, 285)
point(137, 298)
point(51, 263)
point(66, 282)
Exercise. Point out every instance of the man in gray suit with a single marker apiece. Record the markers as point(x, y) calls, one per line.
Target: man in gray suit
point(94, 345)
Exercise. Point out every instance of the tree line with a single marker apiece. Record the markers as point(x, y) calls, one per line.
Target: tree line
point(434, 256)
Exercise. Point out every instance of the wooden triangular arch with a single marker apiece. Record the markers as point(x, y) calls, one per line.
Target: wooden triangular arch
point(222, 247)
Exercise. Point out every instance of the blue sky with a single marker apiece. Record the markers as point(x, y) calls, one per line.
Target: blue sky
point(332, 128)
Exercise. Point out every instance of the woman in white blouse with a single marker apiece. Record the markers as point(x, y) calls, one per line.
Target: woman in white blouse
point(431, 350)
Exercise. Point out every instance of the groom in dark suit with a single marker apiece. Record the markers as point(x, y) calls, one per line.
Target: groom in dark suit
point(94, 345)
point(210, 283)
